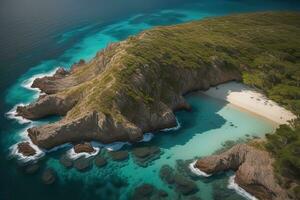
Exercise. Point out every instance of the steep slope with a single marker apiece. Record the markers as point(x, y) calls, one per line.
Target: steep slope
point(133, 86)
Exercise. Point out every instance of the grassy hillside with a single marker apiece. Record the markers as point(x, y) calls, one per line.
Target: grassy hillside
point(264, 47)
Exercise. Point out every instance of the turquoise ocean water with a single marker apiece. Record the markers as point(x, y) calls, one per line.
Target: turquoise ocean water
point(202, 131)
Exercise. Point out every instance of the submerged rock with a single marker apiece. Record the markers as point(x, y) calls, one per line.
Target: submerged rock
point(83, 164)
point(84, 148)
point(254, 170)
point(48, 176)
point(148, 191)
point(66, 161)
point(221, 191)
point(25, 149)
point(144, 155)
point(166, 174)
point(182, 184)
point(119, 155)
point(100, 161)
point(117, 181)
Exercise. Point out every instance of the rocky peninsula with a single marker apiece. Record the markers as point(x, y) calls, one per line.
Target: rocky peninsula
point(254, 170)
point(134, 86)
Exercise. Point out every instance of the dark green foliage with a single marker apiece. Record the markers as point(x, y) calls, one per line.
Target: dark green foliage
point(285, 146)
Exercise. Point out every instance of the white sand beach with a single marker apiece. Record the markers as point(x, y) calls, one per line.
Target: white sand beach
point(251, 100)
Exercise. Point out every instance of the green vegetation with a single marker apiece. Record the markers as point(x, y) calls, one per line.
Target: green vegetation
point(285, 146)
point(263, 47)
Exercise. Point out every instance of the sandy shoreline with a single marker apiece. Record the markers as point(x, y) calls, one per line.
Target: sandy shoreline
point(251, 100)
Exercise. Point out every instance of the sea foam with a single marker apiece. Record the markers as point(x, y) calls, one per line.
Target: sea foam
point(234, 186)
point(73, 155)
point(25, 159)
point(197, 171)
point(178, 126)
point(12, 114)
point(147, 137)
point(27, 83)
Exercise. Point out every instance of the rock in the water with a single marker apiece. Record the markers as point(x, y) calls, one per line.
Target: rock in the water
point(117, 181)
point(84, 148)
point(31, 169)
point(166, 174)
point(83, 164)
point(49, 176)
point(254, 170)
point(147, 191)
point(184, 185)
point(100, 161)
point(25, 149)
point(144, 155)
point(119, 155)
point(66, 161)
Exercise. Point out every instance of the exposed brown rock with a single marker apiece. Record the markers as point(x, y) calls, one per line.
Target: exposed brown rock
point(25, 149)
point(69, 93)
point(254, 171)
point(46, 106)
point(84, 148)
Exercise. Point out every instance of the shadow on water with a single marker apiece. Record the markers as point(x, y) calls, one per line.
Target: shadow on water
point(203, 117)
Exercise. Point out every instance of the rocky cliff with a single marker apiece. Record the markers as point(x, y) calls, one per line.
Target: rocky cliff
point(134, 86)
point(254, 170)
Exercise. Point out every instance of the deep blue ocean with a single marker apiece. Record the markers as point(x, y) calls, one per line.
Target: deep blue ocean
point(37, 36)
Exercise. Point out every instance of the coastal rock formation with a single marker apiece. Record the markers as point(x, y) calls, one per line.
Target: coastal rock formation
point(254, 171)
point(84, 148)
point(134, 86)
point(25, 149)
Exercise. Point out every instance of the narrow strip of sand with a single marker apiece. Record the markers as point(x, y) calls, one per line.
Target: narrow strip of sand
point(251, 100)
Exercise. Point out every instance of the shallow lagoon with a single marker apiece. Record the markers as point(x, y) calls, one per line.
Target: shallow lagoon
point(202, 131)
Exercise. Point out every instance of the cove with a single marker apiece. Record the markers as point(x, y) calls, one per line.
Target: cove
point(203, 131)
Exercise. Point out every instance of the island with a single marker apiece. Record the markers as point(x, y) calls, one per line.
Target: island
point(134, 87)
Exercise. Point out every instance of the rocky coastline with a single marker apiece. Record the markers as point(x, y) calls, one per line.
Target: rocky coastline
point(253, 170)
point(67, 90)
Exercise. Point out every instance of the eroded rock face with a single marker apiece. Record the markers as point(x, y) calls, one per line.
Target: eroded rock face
point(92, 126)
point(100, 104)
point(25, 149)
point(84, 148)
point(254, 171)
